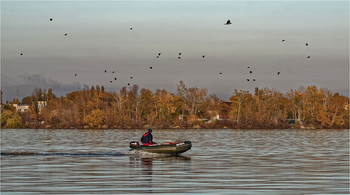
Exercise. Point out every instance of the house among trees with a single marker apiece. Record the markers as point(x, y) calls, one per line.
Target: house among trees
point(192, 107)
point(41, 105)
point(25, 107)
point(21, 107)
point(225, 109)
point(347, 106)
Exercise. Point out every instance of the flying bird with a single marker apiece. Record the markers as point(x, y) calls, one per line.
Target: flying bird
point(75, 74)
point(51, 19)
point(228, 22)
point(220, 73)
point(115, 78)
point(250, 72)
point(110, 81)
point(150, 67)
point(253, 79)
point(179, 54)
point(179, 57)
point(105, 70)
point(248, 67)
point(203, 56)
point(278, 73)
point(308, 56)
point(307, 44)
point(130, 28)
point(283, 40)
point(21, 54)
point(113, 72)
point(159, 54)
point(130, 77)
point(65, 34)
point(247, 79)
point(128, 83)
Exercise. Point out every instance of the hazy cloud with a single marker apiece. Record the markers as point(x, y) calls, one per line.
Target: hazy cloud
point(25, 84)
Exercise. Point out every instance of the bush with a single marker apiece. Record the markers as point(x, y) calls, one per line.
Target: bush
point(10, 120)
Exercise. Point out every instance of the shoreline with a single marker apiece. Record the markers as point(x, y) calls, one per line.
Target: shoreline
point(262, 129)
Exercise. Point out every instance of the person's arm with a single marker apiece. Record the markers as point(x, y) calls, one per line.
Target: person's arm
point(151, 139)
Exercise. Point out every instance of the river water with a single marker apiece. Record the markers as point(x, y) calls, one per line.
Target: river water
point(221, 161)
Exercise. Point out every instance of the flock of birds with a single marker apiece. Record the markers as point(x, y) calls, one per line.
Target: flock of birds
point(228, 22)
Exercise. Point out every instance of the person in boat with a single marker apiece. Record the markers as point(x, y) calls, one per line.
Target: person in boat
point(147, 138)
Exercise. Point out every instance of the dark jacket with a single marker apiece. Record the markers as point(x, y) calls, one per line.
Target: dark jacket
point(147, 138)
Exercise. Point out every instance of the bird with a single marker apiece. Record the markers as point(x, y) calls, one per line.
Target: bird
point(105, 70)
point(179, 54)
point(159, 54)
point(75, 74)
point(113, 71)
point(150, 67)
point(65, 34)
point(51, 19)
point(128, 83)
point(130, 77)
point(248, 67)
point(247, 79)
point(115, 78)
point(250, 72)
point(308, 56)
point(21, 54)
point(203, 56)
point(283, 40)
point(253, 79)
point(278, 73)
point(110, 81)
point(179, 57)
point(130, 28)
point(307, 44)
point(220, 73)
point(228, 22)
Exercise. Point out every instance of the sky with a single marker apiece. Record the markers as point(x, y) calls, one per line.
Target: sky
point(99, 38)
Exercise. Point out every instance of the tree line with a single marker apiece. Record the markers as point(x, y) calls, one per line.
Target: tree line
point(132, 107)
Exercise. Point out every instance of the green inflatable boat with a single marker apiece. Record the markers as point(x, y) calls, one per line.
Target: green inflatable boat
point(167, 148)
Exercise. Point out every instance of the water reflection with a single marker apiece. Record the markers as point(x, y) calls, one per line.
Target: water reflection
point(147, 166)
point(147, 163)
point(149, 170)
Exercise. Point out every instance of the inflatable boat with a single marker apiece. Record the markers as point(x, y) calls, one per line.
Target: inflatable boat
point(167, 148)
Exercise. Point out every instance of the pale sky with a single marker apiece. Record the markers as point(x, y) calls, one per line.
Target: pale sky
point(99, 38)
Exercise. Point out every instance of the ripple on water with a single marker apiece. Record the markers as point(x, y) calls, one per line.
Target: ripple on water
point(220, 162)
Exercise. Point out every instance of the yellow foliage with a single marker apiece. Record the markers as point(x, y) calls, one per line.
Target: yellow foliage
point(10, 119)
point(95, 119)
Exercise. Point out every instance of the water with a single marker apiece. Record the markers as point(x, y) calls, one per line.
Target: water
point(220, 162)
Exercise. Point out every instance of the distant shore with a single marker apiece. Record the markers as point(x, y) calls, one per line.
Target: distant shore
point(193, 128)
point(189, 108)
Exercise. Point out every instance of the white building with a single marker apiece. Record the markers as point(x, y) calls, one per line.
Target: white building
point(25, 107)
point(42, 104)
point(21, 107)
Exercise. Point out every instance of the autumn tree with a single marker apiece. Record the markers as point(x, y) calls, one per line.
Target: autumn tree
point(192, 100)
point(93, 107)
point(240, 100)
point(95, 119)
point(27, 100)
point(337, 108)
point(10, 119)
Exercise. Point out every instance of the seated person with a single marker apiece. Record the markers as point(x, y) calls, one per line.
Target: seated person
point(147, 138)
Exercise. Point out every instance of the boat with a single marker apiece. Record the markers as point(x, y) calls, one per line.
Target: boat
point(167, 148)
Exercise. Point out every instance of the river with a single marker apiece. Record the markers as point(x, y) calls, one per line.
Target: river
point(222, 161)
